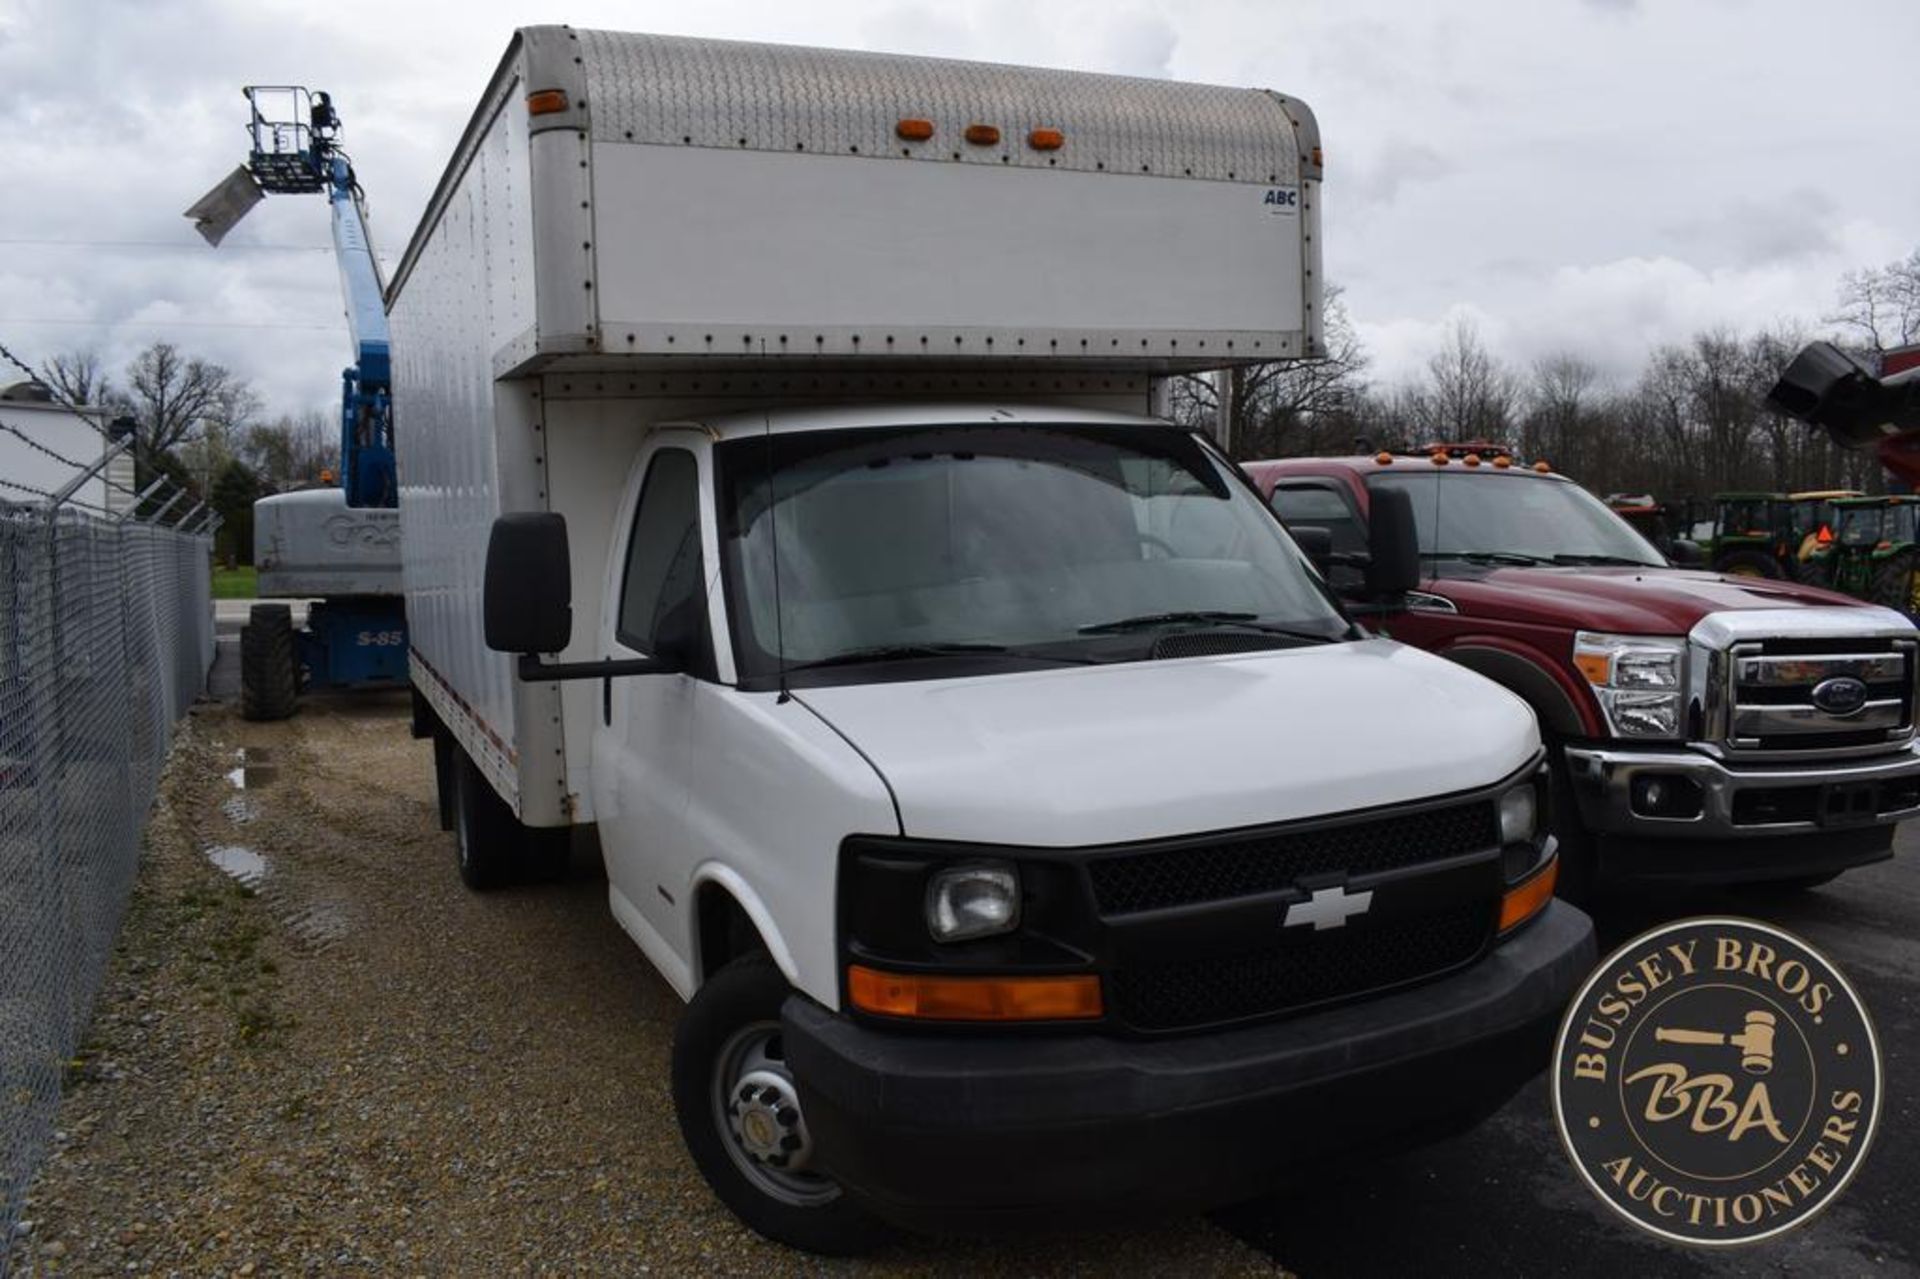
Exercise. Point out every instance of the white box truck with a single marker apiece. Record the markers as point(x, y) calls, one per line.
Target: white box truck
point(1032, 833)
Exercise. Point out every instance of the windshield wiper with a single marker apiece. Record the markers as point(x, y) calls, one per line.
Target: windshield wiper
point(1486, 557)
point(896, 653)
point(907, 652)
point(1622, 560)
point(1201, 617)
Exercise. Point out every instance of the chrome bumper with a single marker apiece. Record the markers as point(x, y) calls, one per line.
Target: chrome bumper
point(1603, 779)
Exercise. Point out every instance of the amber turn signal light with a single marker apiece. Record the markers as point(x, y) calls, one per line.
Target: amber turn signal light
point(974, 998)
point(1529, 898)
point(546, 101)
point(914, 130)
point(1046, 139)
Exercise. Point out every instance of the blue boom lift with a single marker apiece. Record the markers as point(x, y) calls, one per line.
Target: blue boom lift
point(340, 545)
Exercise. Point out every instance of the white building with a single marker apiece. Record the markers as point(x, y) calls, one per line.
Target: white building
point(44, 444)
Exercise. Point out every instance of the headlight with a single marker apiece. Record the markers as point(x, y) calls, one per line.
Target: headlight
point(1519, 815)
point(977, 900)
point(1637, 679)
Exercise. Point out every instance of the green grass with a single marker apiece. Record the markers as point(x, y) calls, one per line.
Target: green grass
point(235, 583)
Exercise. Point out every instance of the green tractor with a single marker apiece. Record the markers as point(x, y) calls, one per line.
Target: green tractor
point(1752, 535)
point(1874, 551)
point(1766, 534)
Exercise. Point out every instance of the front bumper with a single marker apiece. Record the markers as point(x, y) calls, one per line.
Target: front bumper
point(941, 1131)
point(1748, 800)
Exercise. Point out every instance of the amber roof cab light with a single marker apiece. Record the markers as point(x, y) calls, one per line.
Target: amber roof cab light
point(914, 129)
point(982, 135)
point(1046, 139)
point(546, 101)
point(918, 995)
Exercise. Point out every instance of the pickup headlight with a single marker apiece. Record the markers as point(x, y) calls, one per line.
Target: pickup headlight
point(1637, 679)
point(975, 900)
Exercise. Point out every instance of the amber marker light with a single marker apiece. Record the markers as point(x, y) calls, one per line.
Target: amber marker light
point(1471, 459)
point(918, 995)
point(1046, 139)
point(546, 101)
point(1502, 462)
point(1529, 898)
point(982, 135)
point(914, 130)
point(1437, 457)
point(1384, 458)
point(1597, 667)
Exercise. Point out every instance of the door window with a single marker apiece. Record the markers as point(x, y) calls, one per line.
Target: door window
point(664, 569)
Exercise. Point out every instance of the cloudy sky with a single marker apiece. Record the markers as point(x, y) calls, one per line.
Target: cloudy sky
point(1595, 175)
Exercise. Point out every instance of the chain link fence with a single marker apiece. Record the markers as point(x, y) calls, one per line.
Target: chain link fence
point(106, 636)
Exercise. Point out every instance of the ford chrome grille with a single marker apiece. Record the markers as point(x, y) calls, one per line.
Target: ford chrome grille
point(1814, 695)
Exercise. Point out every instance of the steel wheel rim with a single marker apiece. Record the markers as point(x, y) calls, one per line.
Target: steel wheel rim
point(753, 1128)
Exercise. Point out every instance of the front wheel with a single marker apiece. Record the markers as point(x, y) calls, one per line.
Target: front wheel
point(740, 1116)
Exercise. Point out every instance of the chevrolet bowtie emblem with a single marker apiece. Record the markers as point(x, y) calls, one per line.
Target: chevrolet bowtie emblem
point(1328, 908)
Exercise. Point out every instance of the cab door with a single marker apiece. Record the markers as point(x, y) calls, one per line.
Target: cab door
point(642, 770)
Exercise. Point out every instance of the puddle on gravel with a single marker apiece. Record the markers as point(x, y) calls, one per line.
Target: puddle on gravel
point(241, 862)
point(253, 766)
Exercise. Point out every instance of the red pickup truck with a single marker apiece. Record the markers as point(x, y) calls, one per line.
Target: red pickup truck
point(1701, 727)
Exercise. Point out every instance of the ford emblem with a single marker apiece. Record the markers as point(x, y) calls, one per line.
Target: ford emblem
point(1841, 695)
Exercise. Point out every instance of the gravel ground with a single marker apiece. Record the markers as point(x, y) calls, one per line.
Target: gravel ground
point(329, 1056)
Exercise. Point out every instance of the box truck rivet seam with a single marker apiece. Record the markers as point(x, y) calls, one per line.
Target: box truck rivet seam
point(973, 750)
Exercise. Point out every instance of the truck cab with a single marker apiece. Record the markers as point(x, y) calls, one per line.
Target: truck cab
point(1701, 727)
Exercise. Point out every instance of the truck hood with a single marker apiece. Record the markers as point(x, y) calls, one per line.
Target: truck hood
point(1142, 750)
point(1629, 600)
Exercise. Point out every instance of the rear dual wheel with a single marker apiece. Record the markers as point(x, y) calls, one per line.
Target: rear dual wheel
point(493, 847)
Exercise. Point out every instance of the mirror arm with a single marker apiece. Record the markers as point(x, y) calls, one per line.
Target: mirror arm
point(533, 670)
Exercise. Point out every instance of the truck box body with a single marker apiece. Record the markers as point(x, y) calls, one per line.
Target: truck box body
point(709, 224)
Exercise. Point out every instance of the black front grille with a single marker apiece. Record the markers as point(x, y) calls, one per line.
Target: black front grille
point(1263, 863)
point(1300, 972)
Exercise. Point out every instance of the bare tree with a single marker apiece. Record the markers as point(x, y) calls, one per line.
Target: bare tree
point(78, 378)
point(1880, 306)
point(291, 452)
point(175, 397)
point(1285, 406)
point(1469, 393)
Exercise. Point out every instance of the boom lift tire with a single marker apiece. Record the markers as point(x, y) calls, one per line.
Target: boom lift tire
point(726, 1052)
point(486, 835)
point(269, 683)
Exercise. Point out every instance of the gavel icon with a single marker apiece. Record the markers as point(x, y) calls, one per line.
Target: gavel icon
point(1755, 1042)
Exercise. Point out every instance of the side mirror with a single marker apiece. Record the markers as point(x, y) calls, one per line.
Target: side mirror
point(1316, 543)
point(1686, 553)
point(1393, 545)
point(527, 598)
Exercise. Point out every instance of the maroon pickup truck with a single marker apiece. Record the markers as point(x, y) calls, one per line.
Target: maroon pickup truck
point(1701, 727)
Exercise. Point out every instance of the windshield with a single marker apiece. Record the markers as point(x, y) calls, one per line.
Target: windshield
point(1464, 517)
point(1860, 525)
point(1059, 543)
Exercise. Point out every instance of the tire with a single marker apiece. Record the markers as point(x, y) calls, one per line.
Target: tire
point(269, 682)
point(727, 1040)
point(1579, 876)
point(1893, 582)
point(1745, 563)
point(1796, 884)
point(487, 837)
